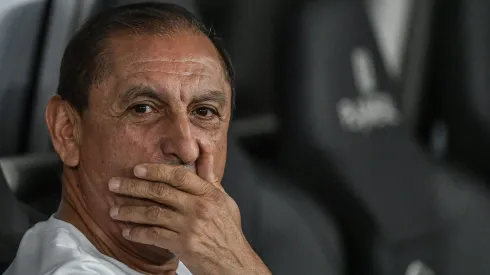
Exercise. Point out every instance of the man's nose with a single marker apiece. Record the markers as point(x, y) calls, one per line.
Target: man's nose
point(178, 141)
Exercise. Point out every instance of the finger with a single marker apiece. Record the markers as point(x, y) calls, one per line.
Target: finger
point(205, 163)
point(153, 215)
point(176, 176)
point(205, 166)
point(205, 171)
point(156, 236)
point(154, 191)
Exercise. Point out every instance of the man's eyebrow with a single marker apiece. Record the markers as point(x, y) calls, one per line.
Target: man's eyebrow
point(213, 95)
point(141, 91)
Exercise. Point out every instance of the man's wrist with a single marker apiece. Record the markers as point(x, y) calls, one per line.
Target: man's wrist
point(258, 267)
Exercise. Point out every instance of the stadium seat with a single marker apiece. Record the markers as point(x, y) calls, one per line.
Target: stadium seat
point(21, 31)
point(251, 43)
point(190, 5)
point(457, 83)
point(17, 217)
point(65, 18)
point(34, 179)
point(286, 227)
point(343, 137)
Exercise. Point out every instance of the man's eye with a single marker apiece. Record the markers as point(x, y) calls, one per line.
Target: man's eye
point(205, 112)
point(142, 109)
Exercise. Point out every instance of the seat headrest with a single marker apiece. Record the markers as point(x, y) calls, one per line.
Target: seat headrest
point(21, 171)
point(35, 180)
point(21, 23)
point(338, 67)
point(10, 209)
point(339, 102)
point(15, 222)
point(190, 5)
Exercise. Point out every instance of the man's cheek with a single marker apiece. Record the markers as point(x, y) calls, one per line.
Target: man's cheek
point(108, 151)
point(124, 141)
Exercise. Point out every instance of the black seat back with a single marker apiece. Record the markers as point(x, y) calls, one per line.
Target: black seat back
point(34, 179)
point(457, 84)
point(17, 217)
point(13, 227)
point(20, 41)
point(343, 133)
point(64, 18)
point(190, 5)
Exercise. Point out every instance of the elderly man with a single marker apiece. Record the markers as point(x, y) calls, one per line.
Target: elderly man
point(140, 123)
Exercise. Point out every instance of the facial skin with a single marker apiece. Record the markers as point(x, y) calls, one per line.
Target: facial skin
point(165, 100)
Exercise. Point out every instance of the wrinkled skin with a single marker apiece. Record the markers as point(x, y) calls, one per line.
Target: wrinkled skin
point(166, 100)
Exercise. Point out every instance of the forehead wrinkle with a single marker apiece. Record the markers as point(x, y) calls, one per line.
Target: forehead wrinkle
point(130, 55)
point(172, 73)
point(199, 83)
point(198, 60)
point(175, 65)
point(195, 69)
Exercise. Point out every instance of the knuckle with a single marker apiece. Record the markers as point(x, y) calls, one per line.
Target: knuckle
point(126, 212)
point(158, 190)
point(208, 189)
point(154, 213)
point(233, 206)
point(159, 173)
point(216, 195)
point(130, 186)
point(138, 188)
point(153, 233)
point(204, 210)
point(134, 233)
point(180, 175)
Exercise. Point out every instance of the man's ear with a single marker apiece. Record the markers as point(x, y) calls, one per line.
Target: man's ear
point(64, 124)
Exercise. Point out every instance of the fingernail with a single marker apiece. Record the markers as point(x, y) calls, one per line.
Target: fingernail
point(114, 212)
point(140, 171)
point(126, 232)
point(114, 184)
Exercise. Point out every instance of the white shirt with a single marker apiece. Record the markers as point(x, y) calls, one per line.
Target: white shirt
point(55, 247)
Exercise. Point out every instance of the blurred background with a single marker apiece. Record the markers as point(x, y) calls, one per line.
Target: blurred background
point(373, 107)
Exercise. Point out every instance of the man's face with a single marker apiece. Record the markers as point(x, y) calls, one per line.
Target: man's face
point(165, 100)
